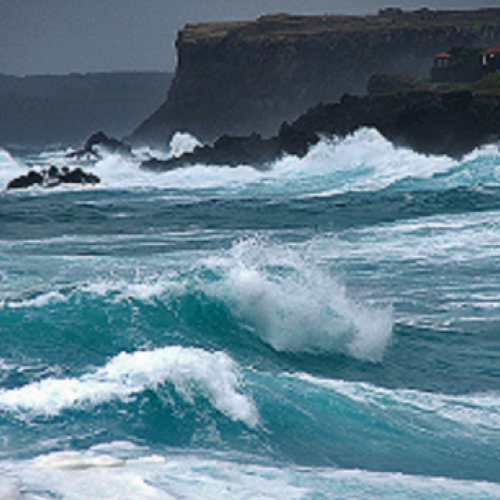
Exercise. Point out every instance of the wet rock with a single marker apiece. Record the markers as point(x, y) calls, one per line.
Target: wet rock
point(78, 176)
point(100, 141)
point(226, 151)
point(32, 178)
point(430, 122)
point(53, 177)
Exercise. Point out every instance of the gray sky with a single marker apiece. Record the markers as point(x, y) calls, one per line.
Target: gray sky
point(63, 36)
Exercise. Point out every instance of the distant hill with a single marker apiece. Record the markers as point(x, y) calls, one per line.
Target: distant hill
point(36, 111)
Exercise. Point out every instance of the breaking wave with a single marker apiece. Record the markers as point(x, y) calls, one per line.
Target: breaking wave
point(295, 305)
point(362, 161)
point(191, 371)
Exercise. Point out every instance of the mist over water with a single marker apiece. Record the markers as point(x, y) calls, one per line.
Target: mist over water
point(326, 328)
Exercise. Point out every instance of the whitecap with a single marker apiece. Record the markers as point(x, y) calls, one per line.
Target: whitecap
point(295, 305)
point(193, 372)
point(182, 142)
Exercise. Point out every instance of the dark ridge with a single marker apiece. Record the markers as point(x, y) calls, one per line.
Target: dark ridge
point(442, 123)
point(40, 110)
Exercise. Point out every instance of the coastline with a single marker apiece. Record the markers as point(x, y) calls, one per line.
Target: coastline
point(430, 122)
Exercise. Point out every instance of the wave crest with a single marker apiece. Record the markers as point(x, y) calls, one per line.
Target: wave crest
point(295, 305)
point(191, 371)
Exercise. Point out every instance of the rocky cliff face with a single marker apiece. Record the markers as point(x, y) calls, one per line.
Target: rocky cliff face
point(245, 77)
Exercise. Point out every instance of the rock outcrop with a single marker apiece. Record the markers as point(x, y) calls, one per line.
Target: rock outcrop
point(53, 177)
point(243, 77)
point(98, 142)
point(450, 123)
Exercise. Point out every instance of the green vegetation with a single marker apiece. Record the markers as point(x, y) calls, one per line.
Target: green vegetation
point(488, 85)
point(193, 32)
point(465, 55)
point(387, 84)
point(387, 20)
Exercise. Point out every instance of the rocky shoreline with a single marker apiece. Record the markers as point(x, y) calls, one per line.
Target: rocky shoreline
point(430, 122)
point(443, 123)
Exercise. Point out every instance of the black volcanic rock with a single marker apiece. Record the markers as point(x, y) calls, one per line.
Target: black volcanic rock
point(32, 178)
point(228, 151)
point(101, 140)
point(53, 177)
point(450, 123)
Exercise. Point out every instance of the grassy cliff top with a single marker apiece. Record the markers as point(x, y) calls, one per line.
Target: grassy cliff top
point(285, 25)
point(389, 84)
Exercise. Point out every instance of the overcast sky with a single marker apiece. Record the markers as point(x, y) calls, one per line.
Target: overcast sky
point(64, 36)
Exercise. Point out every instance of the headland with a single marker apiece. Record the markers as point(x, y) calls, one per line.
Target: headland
point(238, 78)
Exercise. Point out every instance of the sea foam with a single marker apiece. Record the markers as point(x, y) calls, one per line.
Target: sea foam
point(9, 168)
point(362, 161)
point(295, 305)
point(214, 478)
point(192, 371)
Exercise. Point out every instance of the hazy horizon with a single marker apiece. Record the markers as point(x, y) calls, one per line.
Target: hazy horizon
point(61, 37)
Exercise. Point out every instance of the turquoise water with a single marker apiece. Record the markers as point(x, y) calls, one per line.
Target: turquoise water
point(328, 328)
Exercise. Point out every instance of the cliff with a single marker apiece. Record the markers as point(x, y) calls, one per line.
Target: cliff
point(45, 109)
point(241, 77)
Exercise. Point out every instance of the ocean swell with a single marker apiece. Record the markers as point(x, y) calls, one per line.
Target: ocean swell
point(191, 371)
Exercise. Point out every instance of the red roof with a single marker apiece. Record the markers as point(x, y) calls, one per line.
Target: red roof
point(443, 55)
point(493, 51)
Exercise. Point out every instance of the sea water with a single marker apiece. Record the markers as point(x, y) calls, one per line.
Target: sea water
point(326, 328)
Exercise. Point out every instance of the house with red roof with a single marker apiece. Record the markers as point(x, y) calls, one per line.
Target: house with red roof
point(465, 64)
point(440, 71)
point(490, 59)
point(442, 60)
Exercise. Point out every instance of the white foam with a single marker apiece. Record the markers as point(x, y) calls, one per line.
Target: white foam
point(294, 305)
point(362, 161)
point(75, 460)
point(9, 168)
point(142, 288)
point(42, 300)
point(439, 238)
point(10, 489)
point(366, 150)
point(207, 479)
point(116, 171)
point(80, 475)
point(192, 371)
point(182, 142)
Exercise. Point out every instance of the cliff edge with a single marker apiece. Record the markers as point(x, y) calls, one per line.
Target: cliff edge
point(243, 77)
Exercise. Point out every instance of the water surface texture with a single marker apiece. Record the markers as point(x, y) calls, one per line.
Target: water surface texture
point(327, 328)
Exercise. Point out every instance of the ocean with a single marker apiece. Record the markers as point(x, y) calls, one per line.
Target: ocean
point(327, 328)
